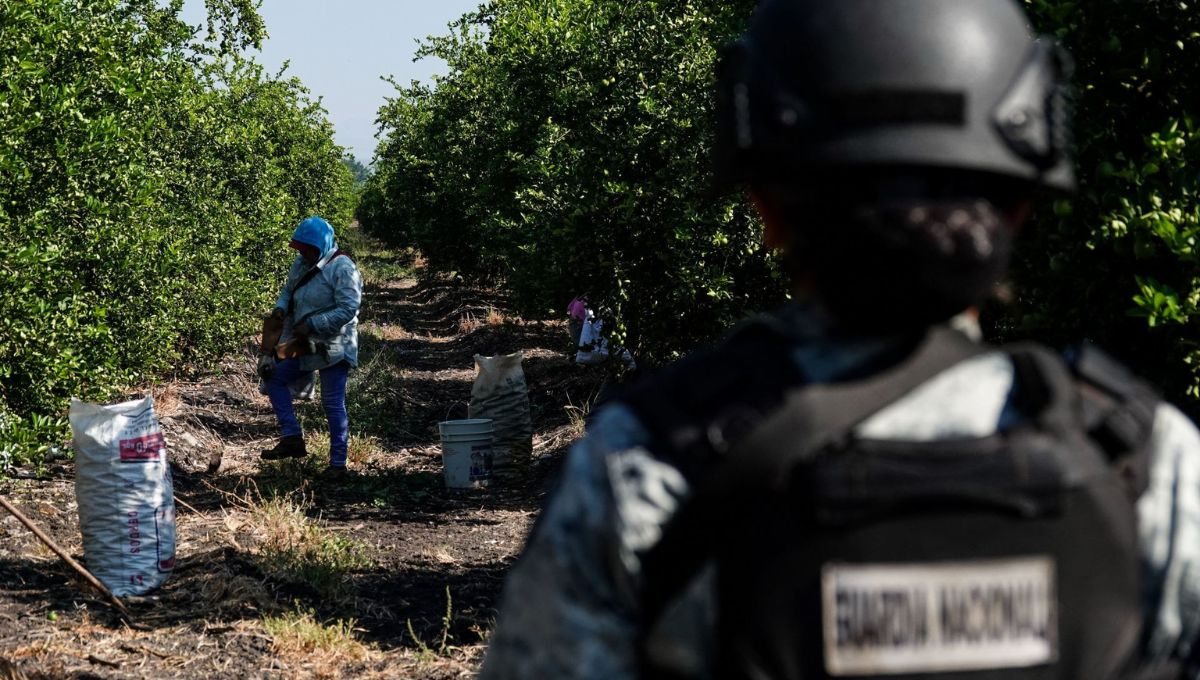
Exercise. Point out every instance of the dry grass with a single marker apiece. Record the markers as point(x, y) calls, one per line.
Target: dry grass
point(558, 439)
point(386, 332)
point(300, 637)
point(441, 555)
point(290, 546)
point(494, 317)
point(226, 594)
point(167, 400)
point(578, 414)
point(40, 552)
point(469, 323)
point(359, 450)
point(578, 417)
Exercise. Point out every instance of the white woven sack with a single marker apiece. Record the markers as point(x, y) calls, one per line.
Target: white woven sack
point(500, 393)
point(126, 500)
point(593, 346)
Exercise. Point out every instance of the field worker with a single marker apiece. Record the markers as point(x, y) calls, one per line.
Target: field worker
point(855, 486)
point(577, 314)
point(319, 308)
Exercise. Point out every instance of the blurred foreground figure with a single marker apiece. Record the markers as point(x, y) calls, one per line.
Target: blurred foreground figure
point(855, 485)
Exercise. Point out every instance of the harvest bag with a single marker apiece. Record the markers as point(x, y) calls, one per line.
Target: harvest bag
point(126, 500)
point(500, 393)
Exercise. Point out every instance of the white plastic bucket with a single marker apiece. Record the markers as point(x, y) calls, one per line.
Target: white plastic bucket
point(467, 452)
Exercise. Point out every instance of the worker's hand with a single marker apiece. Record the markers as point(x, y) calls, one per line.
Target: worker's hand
point(303, 328)
point(266, 367)
point(276, 314)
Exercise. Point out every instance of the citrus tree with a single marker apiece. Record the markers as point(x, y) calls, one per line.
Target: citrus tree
point(1117, 263)
point(149, 175)
point(567, 150)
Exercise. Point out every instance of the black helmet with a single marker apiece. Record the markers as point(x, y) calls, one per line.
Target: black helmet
point(939, 84)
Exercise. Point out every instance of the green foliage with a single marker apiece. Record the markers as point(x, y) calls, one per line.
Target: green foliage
point(1118, 264)
point(567, 150)
point(360, 172)
point(148, 181)
point(426, 652)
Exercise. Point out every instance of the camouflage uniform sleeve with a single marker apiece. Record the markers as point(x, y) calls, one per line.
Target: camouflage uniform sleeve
point(1169, 518)
point(569, 608)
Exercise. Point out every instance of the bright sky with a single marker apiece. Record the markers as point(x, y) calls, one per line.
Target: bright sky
point(340, 49)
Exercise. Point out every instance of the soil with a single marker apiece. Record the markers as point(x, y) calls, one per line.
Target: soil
point(436, 558)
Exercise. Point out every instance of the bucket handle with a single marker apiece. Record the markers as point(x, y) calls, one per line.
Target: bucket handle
point(458, 403)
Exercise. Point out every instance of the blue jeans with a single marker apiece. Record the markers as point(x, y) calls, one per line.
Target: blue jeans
point(333, 398)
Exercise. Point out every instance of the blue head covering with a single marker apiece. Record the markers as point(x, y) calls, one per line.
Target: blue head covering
point(316, 232)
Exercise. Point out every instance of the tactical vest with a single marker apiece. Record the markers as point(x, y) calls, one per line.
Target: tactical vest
point(1007, 557)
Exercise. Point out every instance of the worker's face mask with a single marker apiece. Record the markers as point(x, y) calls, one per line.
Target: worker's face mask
point(307, 251)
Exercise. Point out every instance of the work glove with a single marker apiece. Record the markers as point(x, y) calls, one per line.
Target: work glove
point(303, 328)
point(266, 367)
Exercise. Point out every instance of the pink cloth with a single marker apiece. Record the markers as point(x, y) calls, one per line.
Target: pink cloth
point(577, 309)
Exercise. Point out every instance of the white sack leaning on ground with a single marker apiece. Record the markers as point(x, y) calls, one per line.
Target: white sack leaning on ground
point(593, 346)
point(126, 500)
point(500, 393)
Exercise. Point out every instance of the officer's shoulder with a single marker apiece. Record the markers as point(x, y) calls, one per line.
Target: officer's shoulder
point(1105, 380)
point(744, 343)
point(1096, 367)
point(1119, 408)
point(749, 363)
point(1096, 371)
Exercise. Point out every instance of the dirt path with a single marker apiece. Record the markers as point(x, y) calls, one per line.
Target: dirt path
point(281, 574)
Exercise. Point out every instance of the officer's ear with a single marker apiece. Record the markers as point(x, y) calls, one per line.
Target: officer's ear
point(776, 233)
point(1019, 214)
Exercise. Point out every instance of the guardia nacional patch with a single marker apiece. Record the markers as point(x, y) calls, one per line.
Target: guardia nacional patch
point(891, 619)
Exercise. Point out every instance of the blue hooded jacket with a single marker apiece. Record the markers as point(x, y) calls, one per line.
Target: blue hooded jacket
point(316, 232)
point(329, 302)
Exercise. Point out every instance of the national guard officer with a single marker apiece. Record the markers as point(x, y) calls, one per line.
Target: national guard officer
point(855, 485)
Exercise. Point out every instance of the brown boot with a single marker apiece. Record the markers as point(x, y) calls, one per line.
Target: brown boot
point(291, 446)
